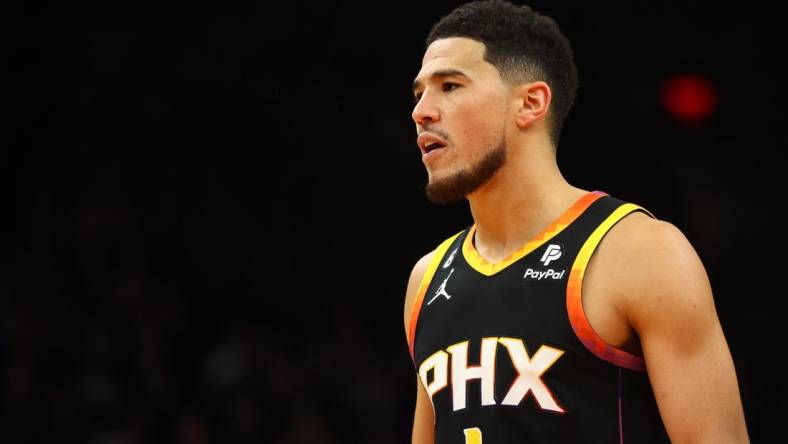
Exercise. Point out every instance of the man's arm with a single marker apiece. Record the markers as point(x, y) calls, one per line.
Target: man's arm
point(423, 419)
point(669, 304)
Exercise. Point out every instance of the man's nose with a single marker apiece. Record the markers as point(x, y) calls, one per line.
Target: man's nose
point(425, 111)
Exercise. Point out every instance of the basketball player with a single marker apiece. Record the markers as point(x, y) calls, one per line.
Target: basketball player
point(561, 315)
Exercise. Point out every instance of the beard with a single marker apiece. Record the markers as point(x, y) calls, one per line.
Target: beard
point(462, 183)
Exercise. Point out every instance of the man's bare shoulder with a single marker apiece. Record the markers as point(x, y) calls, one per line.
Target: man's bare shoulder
point(657, 268)
point(416, 274)
point(641, 242)
point(419, 269)
point(637, 230)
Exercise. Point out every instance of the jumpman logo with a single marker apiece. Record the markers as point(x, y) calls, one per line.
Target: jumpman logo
point(442, 289)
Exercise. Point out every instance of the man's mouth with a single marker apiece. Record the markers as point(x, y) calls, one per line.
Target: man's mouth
point(433, 146)
point(429, 142)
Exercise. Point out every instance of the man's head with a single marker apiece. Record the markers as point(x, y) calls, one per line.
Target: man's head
point(478, 59)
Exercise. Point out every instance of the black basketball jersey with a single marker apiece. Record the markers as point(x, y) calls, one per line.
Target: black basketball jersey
point(506, 353)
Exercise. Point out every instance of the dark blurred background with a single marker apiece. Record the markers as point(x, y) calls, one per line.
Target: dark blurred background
point(212, 209)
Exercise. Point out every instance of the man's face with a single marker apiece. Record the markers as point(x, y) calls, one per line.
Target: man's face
point(460, 116)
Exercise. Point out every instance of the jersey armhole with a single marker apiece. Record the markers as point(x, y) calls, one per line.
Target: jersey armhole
point(574, 297)
point(425, 283)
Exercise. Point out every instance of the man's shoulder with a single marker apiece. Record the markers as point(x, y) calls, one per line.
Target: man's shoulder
point(647, 258)
point(414, 282)
point(421, 265)
point(641, 237)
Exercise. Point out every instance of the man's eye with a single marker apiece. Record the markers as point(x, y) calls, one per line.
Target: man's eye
point(417, 97)
point(448, 86)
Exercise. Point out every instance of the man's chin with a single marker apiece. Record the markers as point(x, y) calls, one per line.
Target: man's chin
point(455, 186)
point(445, 191)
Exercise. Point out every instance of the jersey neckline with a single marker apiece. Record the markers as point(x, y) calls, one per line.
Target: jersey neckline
point(487, 268)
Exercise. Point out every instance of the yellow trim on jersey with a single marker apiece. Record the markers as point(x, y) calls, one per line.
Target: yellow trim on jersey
point(425, 283)
point(574, 297)
point(487, 268)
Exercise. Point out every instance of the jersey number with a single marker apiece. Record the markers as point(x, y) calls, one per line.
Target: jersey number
point(473, 435)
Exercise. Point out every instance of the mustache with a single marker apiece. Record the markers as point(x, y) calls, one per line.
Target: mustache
point(440, 133)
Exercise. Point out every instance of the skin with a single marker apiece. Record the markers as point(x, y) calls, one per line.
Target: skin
point(658, 304)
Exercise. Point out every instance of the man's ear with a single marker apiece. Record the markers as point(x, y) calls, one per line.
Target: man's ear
point(533, 101)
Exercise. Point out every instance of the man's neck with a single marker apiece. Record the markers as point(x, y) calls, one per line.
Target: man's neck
point(521, 199)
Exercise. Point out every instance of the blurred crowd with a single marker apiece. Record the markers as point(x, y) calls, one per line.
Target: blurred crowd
point(132, 319)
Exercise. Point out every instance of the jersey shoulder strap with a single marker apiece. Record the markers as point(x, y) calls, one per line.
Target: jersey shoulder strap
point(437, 257)
point(615, 211)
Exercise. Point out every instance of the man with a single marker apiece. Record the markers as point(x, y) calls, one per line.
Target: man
point(561, 315)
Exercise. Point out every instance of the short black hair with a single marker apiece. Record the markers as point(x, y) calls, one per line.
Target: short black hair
point(523, 45)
